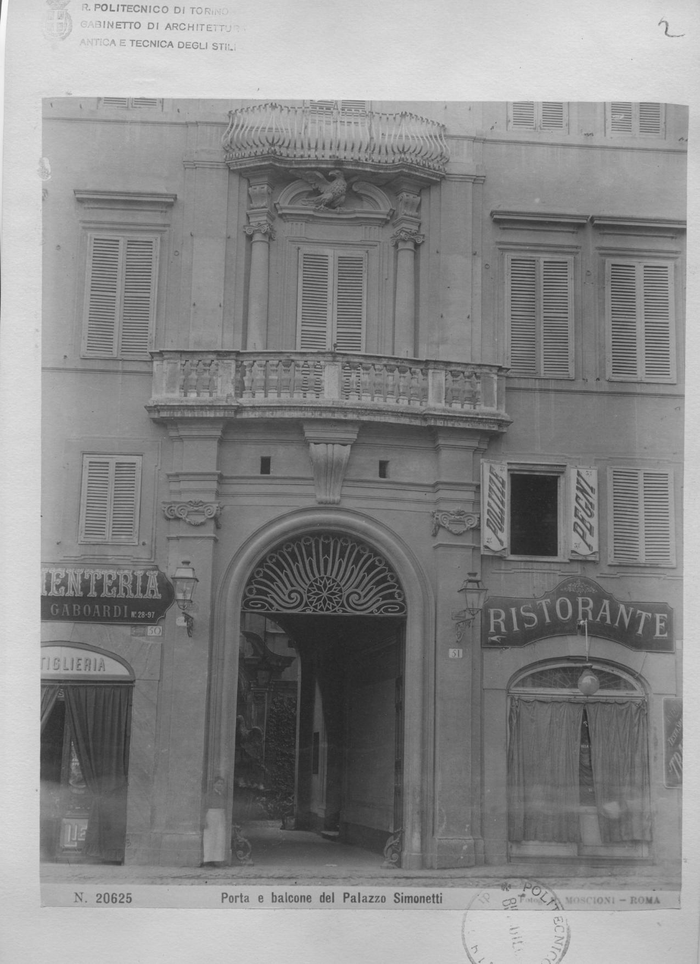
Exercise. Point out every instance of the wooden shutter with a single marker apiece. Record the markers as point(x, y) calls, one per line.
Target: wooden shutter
point(115, 102)
point(642, 511)
point(621, 117)
point(539, 316)
point(121, 295)
point(103, 296)
point(640, 320)
point(553, 115)
point(494, 507)
point(522, 114)
point(556, 321)
point(651, 120)
point(523, 316)
point(314, 309)
point(349, 303)
point(583, 516)
point(110, 497)
point(138, 296)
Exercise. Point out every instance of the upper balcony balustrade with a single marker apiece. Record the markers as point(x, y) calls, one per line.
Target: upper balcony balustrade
point(297, 137)
point(231, 384)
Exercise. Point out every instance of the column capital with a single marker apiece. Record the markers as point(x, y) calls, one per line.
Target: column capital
point(407, 236)
point(260, 231)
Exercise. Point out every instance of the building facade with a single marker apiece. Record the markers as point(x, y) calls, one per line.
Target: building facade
point(346, 364)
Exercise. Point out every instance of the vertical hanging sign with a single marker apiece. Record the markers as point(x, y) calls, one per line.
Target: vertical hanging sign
point(584, 512)
point(494, 506)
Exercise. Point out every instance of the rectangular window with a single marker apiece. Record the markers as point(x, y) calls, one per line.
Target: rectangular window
point(635, 120)
point(641, 513)
point(331, 302)
point(539, 306)
point(121, 296)
point(110, 499)
point(538, 116)
point(640, 320)
point(540, 511)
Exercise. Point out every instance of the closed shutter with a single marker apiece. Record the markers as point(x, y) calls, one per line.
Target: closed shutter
point(523, 114)
point(553, 115)
point(650, 119)
point(314, 301)
point(640, 320)
point(641, 517)
point(110, 496)
point(621, 117)
point(331, 307)
point(121, 295)
point(350, 302)
point(539, 316)
point(645, 119)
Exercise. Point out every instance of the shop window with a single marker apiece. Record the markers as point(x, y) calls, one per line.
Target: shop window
point(578, 767)
point(539, 309)
point(639, 120)
point(641, 510)
point(120, 299)
point(331, 301)
point(110, 498)
point(640, 320)
point(538, 116)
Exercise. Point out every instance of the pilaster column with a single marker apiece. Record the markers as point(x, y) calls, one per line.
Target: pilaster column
point(259, 230)
point(405, 310)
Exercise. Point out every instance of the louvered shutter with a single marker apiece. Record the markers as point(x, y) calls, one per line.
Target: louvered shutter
point(650, 119)
point(115, 101)
point(103, 296)
point(138, 296)
point(553, 115)
point(523, 114)
point(314, 310)
point(657, 313)
point(640, 319)
point(110, 498)
point(349, 303)
point(641, 516)
point(621, 117)
point(556, 322)
point(539, 316)
point(121, 295)
point(523, 316)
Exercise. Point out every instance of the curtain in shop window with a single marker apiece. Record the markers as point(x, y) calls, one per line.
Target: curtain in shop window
point(543, 770)
point(620, 770)
point(98, 717)
point(49, 695)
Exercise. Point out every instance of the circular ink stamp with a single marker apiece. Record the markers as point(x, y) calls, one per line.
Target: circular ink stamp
point(517, 921)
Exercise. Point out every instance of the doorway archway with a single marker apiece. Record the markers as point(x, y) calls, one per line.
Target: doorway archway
point(412, 621)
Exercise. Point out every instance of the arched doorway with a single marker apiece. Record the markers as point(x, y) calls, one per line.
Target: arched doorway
point(578, 762)
point(324, 610)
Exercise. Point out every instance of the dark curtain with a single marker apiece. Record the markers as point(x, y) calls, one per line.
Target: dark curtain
point(98, 717)
point(620, 770)
point(543, 770)
point(49, 695)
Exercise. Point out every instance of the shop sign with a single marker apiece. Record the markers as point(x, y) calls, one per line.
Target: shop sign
point(79, 662)
point(105, 595)
point(517, 621)
point(673, 741)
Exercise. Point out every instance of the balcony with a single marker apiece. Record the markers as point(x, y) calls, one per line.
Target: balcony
point(298, 137)
point(371, 388)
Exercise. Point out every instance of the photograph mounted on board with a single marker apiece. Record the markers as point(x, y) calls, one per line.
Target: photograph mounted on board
point(363, 453)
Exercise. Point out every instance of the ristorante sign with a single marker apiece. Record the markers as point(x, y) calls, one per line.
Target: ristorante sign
point(105, 595)
point(516, 621)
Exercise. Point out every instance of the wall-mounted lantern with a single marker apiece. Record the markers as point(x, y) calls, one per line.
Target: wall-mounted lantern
point(474, 597)
point(184, 582)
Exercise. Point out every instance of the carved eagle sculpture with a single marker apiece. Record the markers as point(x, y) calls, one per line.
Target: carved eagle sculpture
point(332, 193)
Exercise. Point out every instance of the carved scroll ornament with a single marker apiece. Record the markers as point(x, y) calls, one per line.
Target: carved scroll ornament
point(194, 513)
point(456, 521)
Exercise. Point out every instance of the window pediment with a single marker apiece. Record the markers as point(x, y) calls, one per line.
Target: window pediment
point(364, 202)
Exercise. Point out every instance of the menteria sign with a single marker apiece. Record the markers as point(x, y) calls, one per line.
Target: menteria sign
point(516, 621)
point(105, 595)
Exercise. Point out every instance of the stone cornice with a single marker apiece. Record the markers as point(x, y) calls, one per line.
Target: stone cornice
point(539, 219)
point(119, 200)
point(614, 225)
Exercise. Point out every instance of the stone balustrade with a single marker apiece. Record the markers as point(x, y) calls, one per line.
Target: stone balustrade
point(306, 134)
point(371, 386)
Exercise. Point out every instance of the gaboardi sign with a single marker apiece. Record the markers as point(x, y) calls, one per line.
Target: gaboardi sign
point(105, 595)
point(517, 621)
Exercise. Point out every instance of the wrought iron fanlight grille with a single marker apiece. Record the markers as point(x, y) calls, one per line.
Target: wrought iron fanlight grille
point(325, 573)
